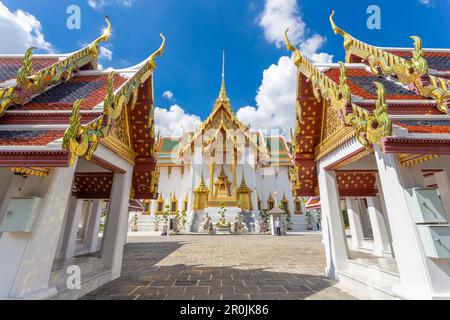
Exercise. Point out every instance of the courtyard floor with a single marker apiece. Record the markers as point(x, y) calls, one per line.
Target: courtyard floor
point(248, 267)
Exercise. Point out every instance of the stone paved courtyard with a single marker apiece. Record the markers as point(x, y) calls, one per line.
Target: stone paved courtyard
point(248, 267)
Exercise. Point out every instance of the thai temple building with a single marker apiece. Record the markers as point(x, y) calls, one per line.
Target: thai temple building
point(373, 140)
point(77, 148)
point(225, 165)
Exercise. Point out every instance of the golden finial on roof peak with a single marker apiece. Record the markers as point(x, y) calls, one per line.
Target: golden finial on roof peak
point(223, 91)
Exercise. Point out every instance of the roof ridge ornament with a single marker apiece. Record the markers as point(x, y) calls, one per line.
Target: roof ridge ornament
point(115, 100)
point(93, 47)
point(29, 84)
point(413, 72)
point(223, 98)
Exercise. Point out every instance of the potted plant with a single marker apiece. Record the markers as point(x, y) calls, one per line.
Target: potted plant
point(135, 223)
point(309, 221)
point(156, 223)
point(165, 218)
point(264, 221)
point(182, 219)
point(223, 226)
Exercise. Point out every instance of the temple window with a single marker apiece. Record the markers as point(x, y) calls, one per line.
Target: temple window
point(298, 206)
point(160, 205)
point(270, 203)
point(185, 204)
point(174, 204)
point(146, 207)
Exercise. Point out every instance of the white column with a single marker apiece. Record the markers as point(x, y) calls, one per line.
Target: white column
point(72, 202)
point(420, 277)
point(84, 221)
point(117, 223)
point(27, 259)
point(379, 230)
point(334, 234)
point(443, 182)
point(94, 226)
point(354, 220)
point(73, 223)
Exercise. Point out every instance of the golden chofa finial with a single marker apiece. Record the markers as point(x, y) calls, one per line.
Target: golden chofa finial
point(298, 55)
point(104, 37)
point(157, 53)
point(223, 90)
point(335, 28)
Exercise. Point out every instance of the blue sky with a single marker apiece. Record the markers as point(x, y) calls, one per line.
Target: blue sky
point(198, 30)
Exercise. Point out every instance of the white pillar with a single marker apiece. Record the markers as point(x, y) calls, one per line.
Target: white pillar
point(420, 277)
point(334, 234)
point(354, 219)
point(72, 202)
point(84, 221)
point(27, 259)
point(379, 230)
point(115, 232)
point(72, 225)
point(443, 182)
point(94, 226)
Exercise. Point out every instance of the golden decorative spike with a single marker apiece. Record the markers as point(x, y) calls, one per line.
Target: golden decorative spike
point(27, 69)
point(298, 55)
point(157, 53)
point(409, 72)
point(348, 39)
point(93, 47)
point(335, 28)
point(75, 140)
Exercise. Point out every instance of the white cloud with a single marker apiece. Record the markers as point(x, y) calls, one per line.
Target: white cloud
point(20, 30)
point(175, 121)
point(277, 16)
point(424, 1)
point(168, 95)
point(105, 53)
point(100, 4)
point(275, 101)
point(276, 97)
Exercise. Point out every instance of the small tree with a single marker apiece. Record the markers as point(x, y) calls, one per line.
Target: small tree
point(166, 214)
point(156, 221)
point(222, 221)
point(264, 218)
point(135, 221)
point(182, 220)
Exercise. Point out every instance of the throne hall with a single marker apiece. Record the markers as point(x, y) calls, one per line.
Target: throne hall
point(225, 165)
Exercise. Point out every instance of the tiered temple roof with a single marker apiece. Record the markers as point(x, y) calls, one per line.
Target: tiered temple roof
point(396, 98)
point(55, 108)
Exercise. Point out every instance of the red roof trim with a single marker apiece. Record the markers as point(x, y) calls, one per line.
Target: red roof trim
point(34, 158)
point(415, 145)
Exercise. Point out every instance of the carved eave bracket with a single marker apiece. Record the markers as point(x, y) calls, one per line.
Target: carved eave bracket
point(29, 84)
point(82, 140)
point(413, 72)
point(370, 128)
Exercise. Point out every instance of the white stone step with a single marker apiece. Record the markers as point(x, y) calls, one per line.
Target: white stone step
point(368, 282)
point(87, 266)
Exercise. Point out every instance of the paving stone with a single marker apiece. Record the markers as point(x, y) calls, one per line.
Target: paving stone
point(221, 290)
point(271, 289)
point(208, 297)
point(197, 290)
point(263, 296)
point(148, 291)
point(246, 289)
point(185, 283)
point(236, 297)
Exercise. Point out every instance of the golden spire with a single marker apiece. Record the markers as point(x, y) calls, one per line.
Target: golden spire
point(223, 91)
